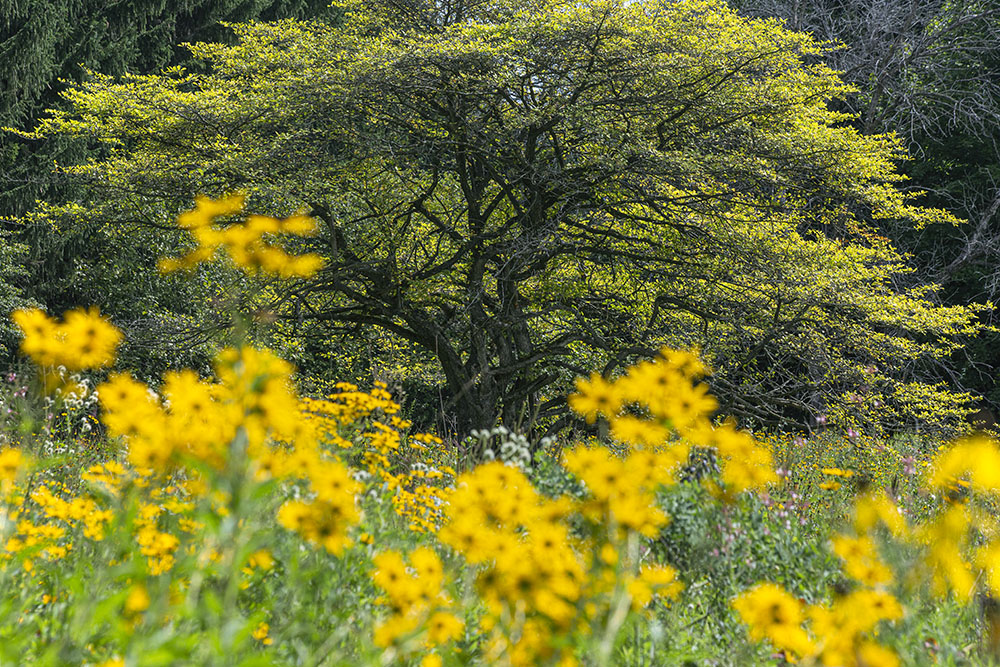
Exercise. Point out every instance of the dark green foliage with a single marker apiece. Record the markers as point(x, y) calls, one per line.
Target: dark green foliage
point(929, 70)
point(744, 543)
point(45, 46)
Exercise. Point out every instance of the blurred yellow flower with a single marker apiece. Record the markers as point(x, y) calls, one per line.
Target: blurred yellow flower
point(772, 613)
point(84, 339)
point(137, 600)
point(243, 242)
point(593, 397)
point(976, 458)
point(260, 634)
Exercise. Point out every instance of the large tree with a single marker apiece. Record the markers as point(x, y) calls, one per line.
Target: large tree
point(529, 191)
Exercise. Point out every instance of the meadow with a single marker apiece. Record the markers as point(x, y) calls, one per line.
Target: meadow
point(232, 520)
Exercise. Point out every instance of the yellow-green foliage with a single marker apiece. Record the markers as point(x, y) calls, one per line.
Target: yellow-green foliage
point(527, 190)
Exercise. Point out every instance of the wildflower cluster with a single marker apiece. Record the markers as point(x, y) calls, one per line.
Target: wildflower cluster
point(421, 609)
point(52, 519)
point(82, 340)
point(196, 420)
point(242, 419)
point(46, 536)
point(658, 400)
point(622, 490)
point(503, 572)
point(199, 453)
point(834, 475)
point(542, 579)
point(245, 243)
point(957, 551)
point(839, 631)
point(11, 464)
point(844, 462)
point(238, 420)
point(773, 614)
point(367, 428)
point(324, 519)
point(962, 543)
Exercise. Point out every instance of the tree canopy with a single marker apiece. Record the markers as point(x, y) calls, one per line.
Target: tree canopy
point(929, 70)
point(527, 190)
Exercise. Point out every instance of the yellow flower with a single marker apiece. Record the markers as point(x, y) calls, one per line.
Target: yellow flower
point(792, 638)
point(431, 660)
point(466, 535)
point(40, 335)
point(428, 566)
point(84, 339)
point(260, 634)
point(157, 547)
point(90, 340)
point(853, 548)
point(393, 628)
point(945, 538)
point(392, 577)
point(11, 461)
point(639, 432)
point(640, 592)
point(603, 474)
point(870, 509)
point(745, 463)
point(767, 605)
point(443, 627)
point(861, 561)
point(207, 209)
point(988, 560)
point(137, 600)
point(261, 559)
point(595, 396)
point(662, 578)
point(244, 243)
point(871, 654)
point(772, 613)
point(189, 397)
point(665, 386)
point(293, 515)
point(866, 608)
point(976, 457)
